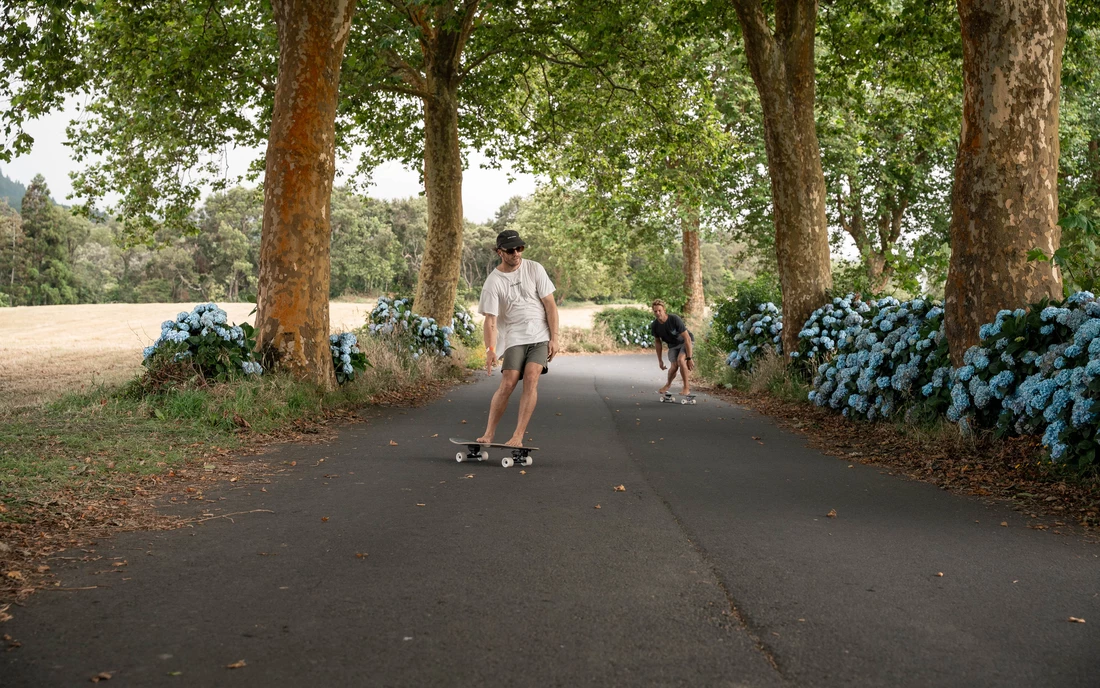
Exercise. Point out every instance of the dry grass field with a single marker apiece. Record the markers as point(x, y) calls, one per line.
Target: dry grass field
point(46, 351)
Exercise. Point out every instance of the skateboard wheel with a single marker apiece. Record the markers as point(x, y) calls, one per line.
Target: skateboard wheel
point(506, 462)
point(459, 456)
point(483, 456)
point(527, 460)
point(692, 402)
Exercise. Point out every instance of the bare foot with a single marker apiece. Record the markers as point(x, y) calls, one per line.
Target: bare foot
point(515, 442)
point(485, 439)
point(663, 390)
point(685, 392)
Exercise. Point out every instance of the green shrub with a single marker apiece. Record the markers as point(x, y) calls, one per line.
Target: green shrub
point(628, 326)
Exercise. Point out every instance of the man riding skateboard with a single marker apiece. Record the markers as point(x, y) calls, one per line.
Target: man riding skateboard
point(521, 322)
point(670, 329)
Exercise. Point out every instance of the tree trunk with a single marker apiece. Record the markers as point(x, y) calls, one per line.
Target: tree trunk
point(1005, 200)
point(782, 66)
point(437, 283)
point(292, 315)
point(693, 267)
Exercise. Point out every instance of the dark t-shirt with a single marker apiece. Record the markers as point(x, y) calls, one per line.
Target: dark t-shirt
point(670, 330)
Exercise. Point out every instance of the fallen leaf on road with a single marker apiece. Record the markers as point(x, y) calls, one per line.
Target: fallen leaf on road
point(620, 488)
point(468, 475)
point(418, 504)
point(597, 506)
point(102, 676)
point(437, 434)
point(1074, 619)
point(832, 513)
point(1004, 523)
point(464, 422)
point(360, 555)
point(324, 518)
point(523, 472)
point(235, 665)
point(755, 437)
point(293, 463)
point(119, 563)
point(392, 443)
point(939, 574)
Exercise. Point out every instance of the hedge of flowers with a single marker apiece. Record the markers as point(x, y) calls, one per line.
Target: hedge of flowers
point(395, 317)
point(756, 334)
point(879, 367)
point(464, 327)
point(629, 326)
point(347, 359)
point(1038, 372)
point(831, 327)
point(205, 337)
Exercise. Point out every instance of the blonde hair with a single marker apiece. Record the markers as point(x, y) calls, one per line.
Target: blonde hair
point(659, 302)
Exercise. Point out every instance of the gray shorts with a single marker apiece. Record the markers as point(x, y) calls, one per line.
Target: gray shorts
point(674, 353)
point(517, 357)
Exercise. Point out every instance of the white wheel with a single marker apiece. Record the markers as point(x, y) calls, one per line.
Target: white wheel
point(684, 401)
point(506, 462)
point(692, 402)
point(483, 456)
point(459, 456)
point(528, 461)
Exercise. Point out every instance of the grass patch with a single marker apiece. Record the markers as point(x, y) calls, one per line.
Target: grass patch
point(98, 441)
point(581, 340)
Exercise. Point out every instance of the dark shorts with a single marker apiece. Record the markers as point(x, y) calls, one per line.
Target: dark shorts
point(674, 353)
point(517, 357)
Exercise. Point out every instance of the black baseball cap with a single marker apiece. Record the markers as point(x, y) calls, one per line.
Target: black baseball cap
point(509, 238)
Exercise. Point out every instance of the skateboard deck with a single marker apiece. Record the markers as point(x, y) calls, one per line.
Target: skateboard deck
point(684, 398)
point(476, 451)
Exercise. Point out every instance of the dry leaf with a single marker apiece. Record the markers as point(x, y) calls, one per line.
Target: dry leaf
point(1004, 523)
point(832, 513)
point(119, 563)
point(235, 665)
point(293, 463)
point(464, 422)
point(43, 568)
point(418, 504)
point(102, 676)
point(1074, 619)
point(620, 488)
point(597, 506)
point(324, 518)
point(15, 575)
point(360, 555)
point(523, 472)
point(392, 443)
point(557, 414)
point(939, 574)
point(468, 475)
point(437, 434)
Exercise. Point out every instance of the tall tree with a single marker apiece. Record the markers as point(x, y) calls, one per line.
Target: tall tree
point(1005, 200)
point(781, 60)
point(301, 165)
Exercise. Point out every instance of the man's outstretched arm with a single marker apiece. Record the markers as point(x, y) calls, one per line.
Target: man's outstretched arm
point(551, 307)
point(490, 328)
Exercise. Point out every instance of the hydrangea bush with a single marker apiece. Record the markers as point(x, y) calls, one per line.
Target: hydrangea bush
point(1038, 372)
point(347, 359)
point(628, 326)
point(395, 317)
point(205, 338)
point(464, 327)
point(756, 334)
point(881, 365)
point(831, 327)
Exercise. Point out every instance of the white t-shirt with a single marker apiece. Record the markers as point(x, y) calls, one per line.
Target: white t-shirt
point(516, 299)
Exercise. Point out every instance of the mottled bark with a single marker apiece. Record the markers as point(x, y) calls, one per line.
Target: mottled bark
point(782, 66)
point(1005, 200)
point(292, 318)
point(437, 283)
point(693, 267)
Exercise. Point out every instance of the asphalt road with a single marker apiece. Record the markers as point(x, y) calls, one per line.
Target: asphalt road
point(717, 565)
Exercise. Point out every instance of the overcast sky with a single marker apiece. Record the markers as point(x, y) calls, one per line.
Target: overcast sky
point(483, 191)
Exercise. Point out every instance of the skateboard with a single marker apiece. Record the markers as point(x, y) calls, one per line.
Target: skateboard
point(684, 398)
point(477, 451)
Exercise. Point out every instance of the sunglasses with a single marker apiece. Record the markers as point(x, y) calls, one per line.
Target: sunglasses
point(510, 251)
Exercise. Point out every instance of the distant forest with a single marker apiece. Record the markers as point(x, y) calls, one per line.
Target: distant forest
point(11, 191)
point(50, 256)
